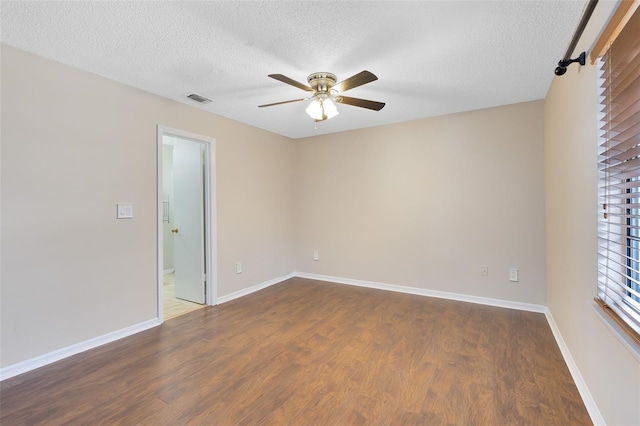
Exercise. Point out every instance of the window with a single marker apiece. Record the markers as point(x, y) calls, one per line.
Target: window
point(619, 176)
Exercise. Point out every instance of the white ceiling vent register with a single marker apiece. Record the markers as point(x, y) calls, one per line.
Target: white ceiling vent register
point(199, 98)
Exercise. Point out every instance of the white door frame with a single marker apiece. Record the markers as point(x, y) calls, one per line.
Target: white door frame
point(210, 240)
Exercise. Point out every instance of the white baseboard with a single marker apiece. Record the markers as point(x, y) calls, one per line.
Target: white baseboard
point(588, 400)
point(57, 355)
point(430, 293)
point(253, 289)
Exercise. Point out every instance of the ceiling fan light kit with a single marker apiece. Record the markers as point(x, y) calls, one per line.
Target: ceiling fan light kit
point(326, 93)
point(322, 108)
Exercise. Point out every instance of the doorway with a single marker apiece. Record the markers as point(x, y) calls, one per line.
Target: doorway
point(186, 234)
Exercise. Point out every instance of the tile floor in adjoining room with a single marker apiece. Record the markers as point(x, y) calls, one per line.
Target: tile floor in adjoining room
point(172, 305)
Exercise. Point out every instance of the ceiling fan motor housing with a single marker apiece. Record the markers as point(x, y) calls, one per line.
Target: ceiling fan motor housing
point(322, 82)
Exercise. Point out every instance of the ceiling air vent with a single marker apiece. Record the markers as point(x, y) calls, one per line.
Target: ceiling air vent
point(198, 98)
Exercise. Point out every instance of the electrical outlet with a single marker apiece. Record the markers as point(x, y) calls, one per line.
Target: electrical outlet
point(514, 275)
point(316, 255)
point(238, 267)
point(484, 270)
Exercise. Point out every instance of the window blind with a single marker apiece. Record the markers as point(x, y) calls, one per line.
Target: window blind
point(619, 175)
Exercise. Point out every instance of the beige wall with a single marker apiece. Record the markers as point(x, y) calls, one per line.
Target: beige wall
point(608, 368)
point(426, 203)
point(74, 144)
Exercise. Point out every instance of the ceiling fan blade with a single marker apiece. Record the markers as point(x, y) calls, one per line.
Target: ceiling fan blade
point(362, 103)
point(359, 79)
point(287, 80)
point(280, 103)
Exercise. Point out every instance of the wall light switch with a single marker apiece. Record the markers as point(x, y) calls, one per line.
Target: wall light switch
point(514, 275)
point(316, 255)
point(238, 267)
point(124, 211)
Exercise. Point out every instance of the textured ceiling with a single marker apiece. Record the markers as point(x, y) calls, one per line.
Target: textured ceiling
point(431, 57)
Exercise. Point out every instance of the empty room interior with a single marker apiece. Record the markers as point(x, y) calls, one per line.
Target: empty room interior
point(380, 212)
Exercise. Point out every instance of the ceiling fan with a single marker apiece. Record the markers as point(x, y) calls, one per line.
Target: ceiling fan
point(325, 93)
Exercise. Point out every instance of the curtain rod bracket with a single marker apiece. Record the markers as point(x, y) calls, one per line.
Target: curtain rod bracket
point(562, 65)
point(566, 59)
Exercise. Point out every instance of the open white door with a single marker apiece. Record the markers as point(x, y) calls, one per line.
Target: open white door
point(188, 240)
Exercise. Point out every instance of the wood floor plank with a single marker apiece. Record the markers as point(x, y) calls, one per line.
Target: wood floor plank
point(313, 353)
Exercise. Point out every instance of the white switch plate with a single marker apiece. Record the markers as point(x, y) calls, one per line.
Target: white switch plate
point(238, 267)
point(514, 275)
point(484, 270)
point(316, 255)
point(124, 211)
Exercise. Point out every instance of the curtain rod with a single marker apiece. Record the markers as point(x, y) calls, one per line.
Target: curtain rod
point(566, 60)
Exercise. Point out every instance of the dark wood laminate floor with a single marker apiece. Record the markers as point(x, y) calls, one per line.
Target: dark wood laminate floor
point(312, 353)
